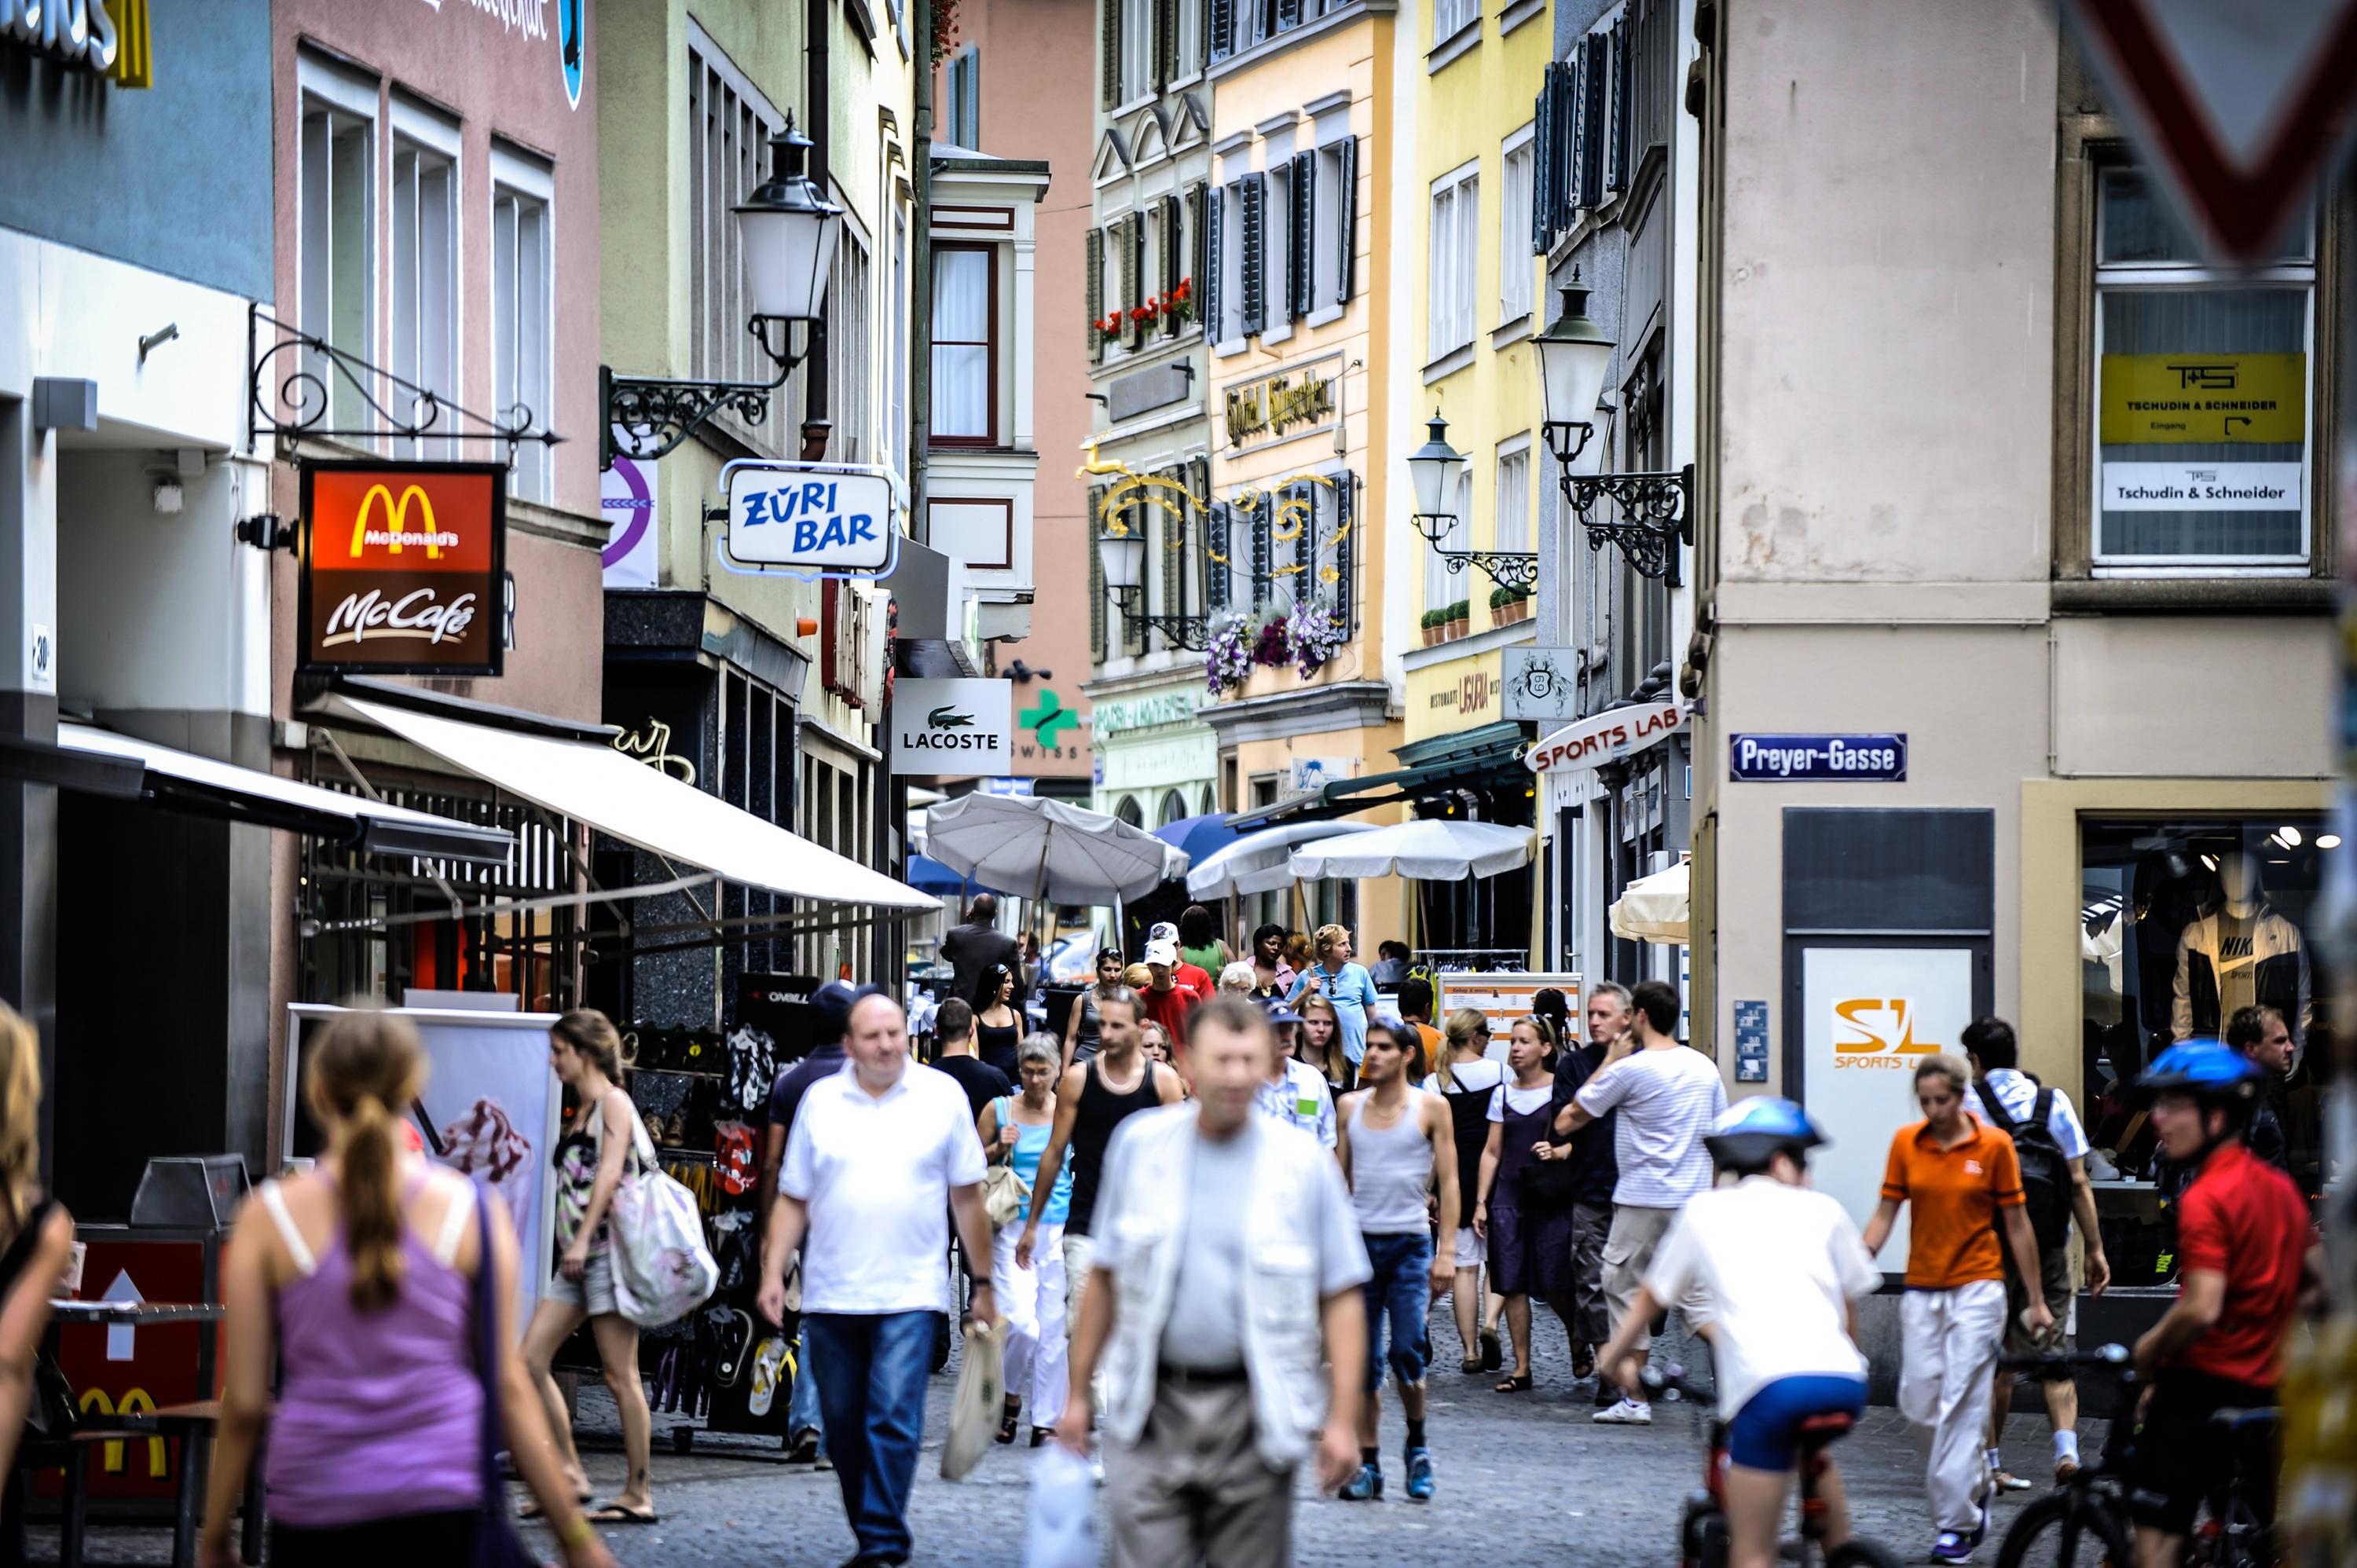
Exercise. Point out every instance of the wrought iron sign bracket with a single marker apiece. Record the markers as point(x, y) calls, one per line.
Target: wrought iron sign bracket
point(1192, 633)
point(655, 413)
point(1653, 516)
point(292, 400)
point(1507, 568)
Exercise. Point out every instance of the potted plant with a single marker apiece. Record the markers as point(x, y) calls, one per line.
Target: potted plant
point(1499, 601)
point(1460, 617)
point(1430, 622)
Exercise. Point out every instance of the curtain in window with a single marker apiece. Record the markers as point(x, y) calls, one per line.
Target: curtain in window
point(961, 344)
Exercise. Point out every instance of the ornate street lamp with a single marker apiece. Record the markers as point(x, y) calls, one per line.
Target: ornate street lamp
point(1121, 551)
point(1433, 470)
point(1652, 512)
point(788, 230)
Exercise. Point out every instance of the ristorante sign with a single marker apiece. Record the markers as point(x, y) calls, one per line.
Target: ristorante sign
point(402, 564)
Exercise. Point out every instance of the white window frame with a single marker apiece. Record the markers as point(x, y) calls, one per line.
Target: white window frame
point(423, 317)
point(723, 169)
point(1189, 25)
point(1276, 243)
point(1230, 216)
point(1450, 17)
point(526, 182)
point(337, 95)
point(1137, 50)
point(850, 345)
point(1515, 262)
point(896, 418)
point(1452, 291)
point(1327, 219)
point(2189, 276)
point(1512, 449)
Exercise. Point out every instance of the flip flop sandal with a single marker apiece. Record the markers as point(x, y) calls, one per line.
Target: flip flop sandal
point(1471, 1367)
point(1515, 1383)
point(614, 1513)
point(1009, 1422)
point(1582, 1362)
point(531, 1509)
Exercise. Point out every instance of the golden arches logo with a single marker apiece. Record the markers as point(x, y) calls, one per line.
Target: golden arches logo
point(396, 517)
point(136, 1401)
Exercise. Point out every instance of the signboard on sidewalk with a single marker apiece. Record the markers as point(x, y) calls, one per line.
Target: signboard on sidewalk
point(1504, 996)
point(401, 567)
point(963, 727)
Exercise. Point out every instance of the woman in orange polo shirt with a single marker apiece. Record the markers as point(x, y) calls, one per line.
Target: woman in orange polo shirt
point(1960, 1176)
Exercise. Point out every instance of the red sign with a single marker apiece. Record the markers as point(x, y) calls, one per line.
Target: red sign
point(2240, 108)
point(122, 1371)
point(401, 567)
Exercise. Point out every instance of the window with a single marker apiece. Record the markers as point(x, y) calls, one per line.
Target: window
point(522, 187)
point(1188, 44)
point(1277, 251)
point(729, 125)
point(1228, 264)
point(1509, 527)
point(1514, 262)
point(962, 118)
point(424, 316)
point(1455, 217)
point(1592, 106)
point(964, 305)
point(1174, 808)
point(1137, 50)
point(850, 358)
point(2202, 388)
point(896, 417)
point(1450, 16)
point(1442, 586)
point(336, 245)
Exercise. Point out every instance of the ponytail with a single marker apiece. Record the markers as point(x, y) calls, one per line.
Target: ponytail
point(366, 1062)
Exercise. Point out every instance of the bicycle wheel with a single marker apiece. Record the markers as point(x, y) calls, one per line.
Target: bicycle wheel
point(2066, 1531)
point(1858, 1551)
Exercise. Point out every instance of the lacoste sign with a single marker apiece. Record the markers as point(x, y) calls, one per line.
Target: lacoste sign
point(954, 727)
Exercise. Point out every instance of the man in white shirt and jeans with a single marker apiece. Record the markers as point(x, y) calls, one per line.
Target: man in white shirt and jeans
point(1228, 1267)
point(1990, 1044)
point(880, 1155)
point(1667, 1097)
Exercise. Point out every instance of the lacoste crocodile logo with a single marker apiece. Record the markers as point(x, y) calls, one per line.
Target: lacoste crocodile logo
point(947, 716)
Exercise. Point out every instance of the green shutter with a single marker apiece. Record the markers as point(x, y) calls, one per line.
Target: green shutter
point(1095, 292)
point(1096, 577)
point(1346, 226)
point(1109, 53)
point(1129, 240)
point(1253, 189)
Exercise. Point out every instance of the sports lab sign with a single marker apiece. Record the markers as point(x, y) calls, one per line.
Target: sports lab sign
point(401, 567)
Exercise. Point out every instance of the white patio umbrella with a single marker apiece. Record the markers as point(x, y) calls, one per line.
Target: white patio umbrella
point(1433, 849)
point(1653, 908)
point(1041, 849)
point(1257, 862)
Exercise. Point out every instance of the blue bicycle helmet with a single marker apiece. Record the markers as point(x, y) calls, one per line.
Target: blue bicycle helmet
point(2210, 1070)
point(1751, 1131)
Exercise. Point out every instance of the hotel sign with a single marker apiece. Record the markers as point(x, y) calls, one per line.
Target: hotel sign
point(401, 567)
point(1276, 405)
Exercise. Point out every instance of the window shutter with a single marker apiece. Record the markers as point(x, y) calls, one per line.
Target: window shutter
point(1263, 551)
point(1095, 290)
point(1196, 276)
point(1172, 262)
point(1130, 241)
point(1565, 186)
point(1253, 189)
point(1109, 53)
point(1302, 265)
point(1346, 217)
point(1096, 577)
point(1215, 235)
point(1215, 573)
point(1543, 163)
point(1222, 25)
point(1616, 146)
point(1576, 139)
point(1345, 487)
point(1596, 65)
point(1174, 544)
point(1163, 16)
point(1289, 14)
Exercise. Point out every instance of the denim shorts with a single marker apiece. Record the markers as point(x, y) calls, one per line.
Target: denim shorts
point(1399, 1289)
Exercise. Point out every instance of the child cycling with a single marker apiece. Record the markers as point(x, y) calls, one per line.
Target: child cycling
point(1779, 1266)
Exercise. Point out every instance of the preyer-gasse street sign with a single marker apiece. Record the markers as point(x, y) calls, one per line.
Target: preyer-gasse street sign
point(1801, 758)
point(820, 519)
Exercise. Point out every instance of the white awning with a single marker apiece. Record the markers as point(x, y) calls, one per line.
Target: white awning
point(185, 781)
point(1653, 908)
point(636, 803)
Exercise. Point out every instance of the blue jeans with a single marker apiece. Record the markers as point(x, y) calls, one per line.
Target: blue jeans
point(802, 1403)
point(872, 1369)
point(1400, 1288)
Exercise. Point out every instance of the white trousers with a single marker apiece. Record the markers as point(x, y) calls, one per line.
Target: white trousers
point(1951, 1340)
point(1032, 1300)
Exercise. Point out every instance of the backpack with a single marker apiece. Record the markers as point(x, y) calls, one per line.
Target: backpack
point(2045, 1172)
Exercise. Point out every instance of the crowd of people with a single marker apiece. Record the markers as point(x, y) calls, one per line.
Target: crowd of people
point(1219, 1256)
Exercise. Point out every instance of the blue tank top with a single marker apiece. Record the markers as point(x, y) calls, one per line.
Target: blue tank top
point(1030, 1143)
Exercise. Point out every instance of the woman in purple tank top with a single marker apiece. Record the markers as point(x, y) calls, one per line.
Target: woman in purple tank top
point(359, 1278)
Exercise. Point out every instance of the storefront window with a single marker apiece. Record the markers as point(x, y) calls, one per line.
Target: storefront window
point(2184, 924)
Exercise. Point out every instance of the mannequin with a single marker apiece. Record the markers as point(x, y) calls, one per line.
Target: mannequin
point(2239, 953)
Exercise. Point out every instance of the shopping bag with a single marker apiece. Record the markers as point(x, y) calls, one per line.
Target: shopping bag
point(977, 1406)
point(662, 1269)
point(1060, 1527)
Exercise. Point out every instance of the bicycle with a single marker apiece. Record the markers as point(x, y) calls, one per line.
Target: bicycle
point(2092, 1506)
point(1702, 1523)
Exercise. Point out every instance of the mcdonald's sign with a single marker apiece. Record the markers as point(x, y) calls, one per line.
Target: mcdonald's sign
point(401, 567)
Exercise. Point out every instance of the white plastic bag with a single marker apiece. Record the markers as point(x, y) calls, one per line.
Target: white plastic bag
point(1060, 1528)
point(662, 1269)
point(979, 1401)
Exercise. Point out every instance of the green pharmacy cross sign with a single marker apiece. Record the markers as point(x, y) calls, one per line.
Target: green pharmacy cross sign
point(1049, 720)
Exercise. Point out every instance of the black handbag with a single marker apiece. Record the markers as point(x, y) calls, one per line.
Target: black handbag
point(497, 1543)
point(1549, 1184)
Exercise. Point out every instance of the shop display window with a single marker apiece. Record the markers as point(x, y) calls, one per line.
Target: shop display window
point(2184, 923)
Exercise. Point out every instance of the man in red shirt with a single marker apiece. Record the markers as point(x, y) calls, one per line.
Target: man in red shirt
point(1187, 976)
point(1167, 1002)
point(2241, 1245)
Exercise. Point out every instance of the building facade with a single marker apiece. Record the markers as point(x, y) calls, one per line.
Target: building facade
point(2034, 593)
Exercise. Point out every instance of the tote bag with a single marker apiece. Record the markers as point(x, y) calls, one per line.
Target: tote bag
point(662, 1269)
point(975, 1407)
point(1004, 1192)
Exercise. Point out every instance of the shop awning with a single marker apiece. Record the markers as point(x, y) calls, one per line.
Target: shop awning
point(624, 798)
point(101, 762)
point(1487, 755)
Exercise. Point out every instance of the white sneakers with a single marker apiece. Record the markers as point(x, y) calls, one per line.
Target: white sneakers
point(1625, 1412)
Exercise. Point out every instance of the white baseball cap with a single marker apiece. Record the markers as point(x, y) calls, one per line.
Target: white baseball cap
point(1162, 950)
point(1163, 931)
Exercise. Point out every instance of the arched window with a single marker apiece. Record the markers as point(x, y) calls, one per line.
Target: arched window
point(1128, 812)
point(1174, 808)
point(1210, 803)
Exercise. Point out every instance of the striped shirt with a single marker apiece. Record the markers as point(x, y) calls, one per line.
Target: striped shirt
point(1667, 1100)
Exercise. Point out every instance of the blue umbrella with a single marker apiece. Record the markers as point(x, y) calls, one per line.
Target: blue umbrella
point(1198, 836)
point(930, 876)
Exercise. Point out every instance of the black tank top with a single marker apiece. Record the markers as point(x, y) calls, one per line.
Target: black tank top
point(1469, 1118)
point(997, 1047)
point(1101, 1111)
